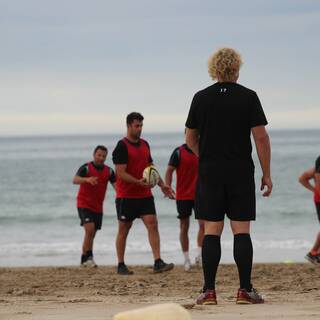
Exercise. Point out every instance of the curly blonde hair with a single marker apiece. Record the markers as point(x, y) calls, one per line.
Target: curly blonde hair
point(224, 65)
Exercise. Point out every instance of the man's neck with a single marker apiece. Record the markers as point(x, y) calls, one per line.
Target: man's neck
point(132, 139)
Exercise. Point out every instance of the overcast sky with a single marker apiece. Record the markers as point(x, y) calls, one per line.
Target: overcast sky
point(76, 66)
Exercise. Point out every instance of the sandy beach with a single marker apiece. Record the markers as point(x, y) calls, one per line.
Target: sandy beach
point(291, 291)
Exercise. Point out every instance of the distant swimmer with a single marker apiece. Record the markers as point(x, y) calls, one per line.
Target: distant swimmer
point(185, 163)
point(306, 179)
point(93, 178)
point(221, 119)
point(134, 198)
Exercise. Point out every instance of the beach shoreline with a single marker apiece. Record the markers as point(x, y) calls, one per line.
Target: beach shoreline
point(290, 291)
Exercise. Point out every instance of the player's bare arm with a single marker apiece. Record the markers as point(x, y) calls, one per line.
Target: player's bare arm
point(262, 142)
point(121, 172)
point(80, 180)
point(168, 176)
point(192, 140)
point(306, 177)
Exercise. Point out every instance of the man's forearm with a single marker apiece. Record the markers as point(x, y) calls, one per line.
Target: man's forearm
point(192, 140)
point(79, 180)
point(264, 154)
point(126, 177)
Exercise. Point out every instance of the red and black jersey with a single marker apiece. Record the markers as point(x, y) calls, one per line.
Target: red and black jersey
point(92, 197)
point(186, 164)
point(316, 196)
point(137, 157)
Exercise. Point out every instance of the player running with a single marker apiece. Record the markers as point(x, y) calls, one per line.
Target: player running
point(93, 178)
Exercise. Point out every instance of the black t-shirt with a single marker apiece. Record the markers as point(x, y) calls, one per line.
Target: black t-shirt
point(175, 156)
point(83, 170)
point(120, 153)
point(318, 165)
point(224, 114)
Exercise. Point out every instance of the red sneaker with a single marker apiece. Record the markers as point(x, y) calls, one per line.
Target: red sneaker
point(246, 297)
point(208, 297)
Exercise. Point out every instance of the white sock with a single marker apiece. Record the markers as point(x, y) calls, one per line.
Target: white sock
point(199, 250)
point(186, 255)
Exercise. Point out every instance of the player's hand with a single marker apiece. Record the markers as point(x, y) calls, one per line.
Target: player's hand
point(92, 180)
point(266, 183)
point(168, 191)
point(142, 182)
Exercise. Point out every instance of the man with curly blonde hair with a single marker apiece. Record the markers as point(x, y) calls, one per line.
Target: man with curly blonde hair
point(221, 119)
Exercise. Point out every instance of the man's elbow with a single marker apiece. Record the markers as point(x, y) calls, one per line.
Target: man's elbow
point(263, 139)
point(301, 179)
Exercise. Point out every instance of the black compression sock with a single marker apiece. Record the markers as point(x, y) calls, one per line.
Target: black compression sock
point(89, 253)
point(83, 258)
point(243, 253)
point(211, 254)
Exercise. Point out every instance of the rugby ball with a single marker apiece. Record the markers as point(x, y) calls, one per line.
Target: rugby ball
point(151, 175)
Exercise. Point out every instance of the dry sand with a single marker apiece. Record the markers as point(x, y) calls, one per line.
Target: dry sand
point(291, 291)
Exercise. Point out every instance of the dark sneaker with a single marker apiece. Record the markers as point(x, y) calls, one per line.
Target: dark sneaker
point(89, 263)
point(123, 270)
point(249, 297)
point(208, 297)
point(313, 259)
point(161, 266)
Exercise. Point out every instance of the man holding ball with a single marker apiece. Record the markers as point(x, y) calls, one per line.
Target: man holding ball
point(133, 194)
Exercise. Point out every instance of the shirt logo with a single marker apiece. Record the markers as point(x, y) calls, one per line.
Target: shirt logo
point(223, 90)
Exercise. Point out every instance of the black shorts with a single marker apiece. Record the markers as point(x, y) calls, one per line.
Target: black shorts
point(184, 208)
point(236, 200)
point(88, 216)
point(318, 209)
point(129, 209)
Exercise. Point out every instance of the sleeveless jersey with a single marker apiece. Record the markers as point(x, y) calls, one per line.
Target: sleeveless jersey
point(138, 160)
point(92, 197)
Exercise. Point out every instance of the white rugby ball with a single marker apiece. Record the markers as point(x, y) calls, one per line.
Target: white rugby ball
point(151, 175)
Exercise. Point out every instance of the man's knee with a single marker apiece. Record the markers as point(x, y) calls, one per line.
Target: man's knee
point(201, 226)
point(151, 223)
point(90, 229)
point(124, 228)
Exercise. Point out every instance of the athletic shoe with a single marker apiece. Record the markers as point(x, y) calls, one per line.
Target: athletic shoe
point(123, 270)
point(208, 297)
point(313, 259)
point(89, 263)
point(161, 266)
point(249, 297)
point(198, 261)
point(187, 265)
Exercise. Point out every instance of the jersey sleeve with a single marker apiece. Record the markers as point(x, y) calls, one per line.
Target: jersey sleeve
point(83, 171)
point(112, 176)
point(175, 158)
point(120, 153)
point(192, 120)
point(257, 116)
point(317, 165)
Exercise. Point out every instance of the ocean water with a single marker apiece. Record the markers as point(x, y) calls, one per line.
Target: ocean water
point(39, 223)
